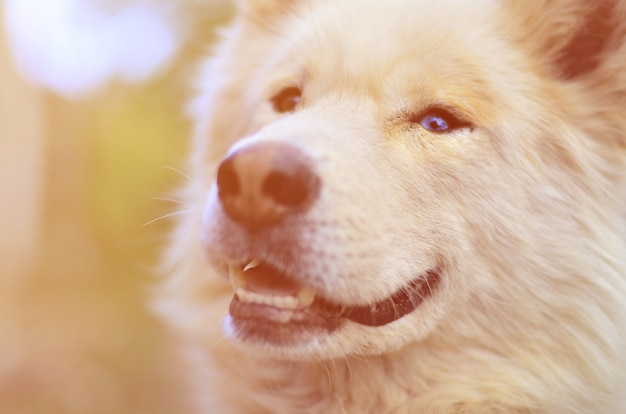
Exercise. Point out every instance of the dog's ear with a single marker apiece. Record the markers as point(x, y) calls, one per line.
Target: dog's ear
point(575, 35)
point(581, 44)
point(598, 32)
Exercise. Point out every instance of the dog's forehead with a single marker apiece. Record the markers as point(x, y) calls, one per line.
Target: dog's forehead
point(392, 49)
point(397, 36)
point(382, 31)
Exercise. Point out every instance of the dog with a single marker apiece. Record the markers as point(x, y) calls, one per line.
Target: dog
point(407, 207)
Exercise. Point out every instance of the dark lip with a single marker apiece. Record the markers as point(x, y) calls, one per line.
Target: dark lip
point(329, 316)
point(401, 303)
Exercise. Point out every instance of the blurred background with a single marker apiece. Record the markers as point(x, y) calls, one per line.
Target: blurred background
point(93, 134)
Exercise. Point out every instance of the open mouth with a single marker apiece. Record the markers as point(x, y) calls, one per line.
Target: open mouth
point(268, 298)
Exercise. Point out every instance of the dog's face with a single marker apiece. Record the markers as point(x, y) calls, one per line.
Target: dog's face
point(388, 173)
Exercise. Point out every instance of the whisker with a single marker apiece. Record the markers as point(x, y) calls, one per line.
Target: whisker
point(429, 287)
point(186, 176)
point(349, 367)
point(328, 374)
point(173, 200)
point(395, 307)
point(175, 213)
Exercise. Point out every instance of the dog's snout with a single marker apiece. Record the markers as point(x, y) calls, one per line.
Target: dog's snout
point(261, 184)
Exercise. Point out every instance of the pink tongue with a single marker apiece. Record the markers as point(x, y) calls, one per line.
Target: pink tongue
point(267, 279)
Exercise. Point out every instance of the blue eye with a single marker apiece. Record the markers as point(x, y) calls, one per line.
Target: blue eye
point(439, 120)
point(435, 123)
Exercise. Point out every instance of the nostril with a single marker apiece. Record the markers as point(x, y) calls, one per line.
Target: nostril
point(227, 180)
point(259, 185)
point(290, 188)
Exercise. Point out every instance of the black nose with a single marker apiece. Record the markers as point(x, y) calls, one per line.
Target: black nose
point(261, 184)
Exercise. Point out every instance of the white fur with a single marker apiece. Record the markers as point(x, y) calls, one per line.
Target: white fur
point(524, 212)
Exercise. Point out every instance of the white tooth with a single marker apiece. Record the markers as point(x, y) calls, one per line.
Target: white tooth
point(246, 296)
point(286, 302)
point(282, 302)
point(237, 278)
point(254, 263)
point(305, 297)
point(264, 299)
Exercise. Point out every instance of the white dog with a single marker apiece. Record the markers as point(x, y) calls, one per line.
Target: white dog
point(409, 206)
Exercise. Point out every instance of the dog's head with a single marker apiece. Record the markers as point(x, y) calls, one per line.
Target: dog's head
point(382, 172)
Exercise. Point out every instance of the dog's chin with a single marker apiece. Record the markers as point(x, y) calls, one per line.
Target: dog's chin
point(285, 314)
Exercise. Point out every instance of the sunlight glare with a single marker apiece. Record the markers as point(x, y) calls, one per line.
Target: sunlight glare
point(73, 47)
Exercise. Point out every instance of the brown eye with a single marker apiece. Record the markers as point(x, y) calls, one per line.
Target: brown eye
point(439, 120)
point(287, 99)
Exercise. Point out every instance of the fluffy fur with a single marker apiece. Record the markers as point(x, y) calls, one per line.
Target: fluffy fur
point(523, 210)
